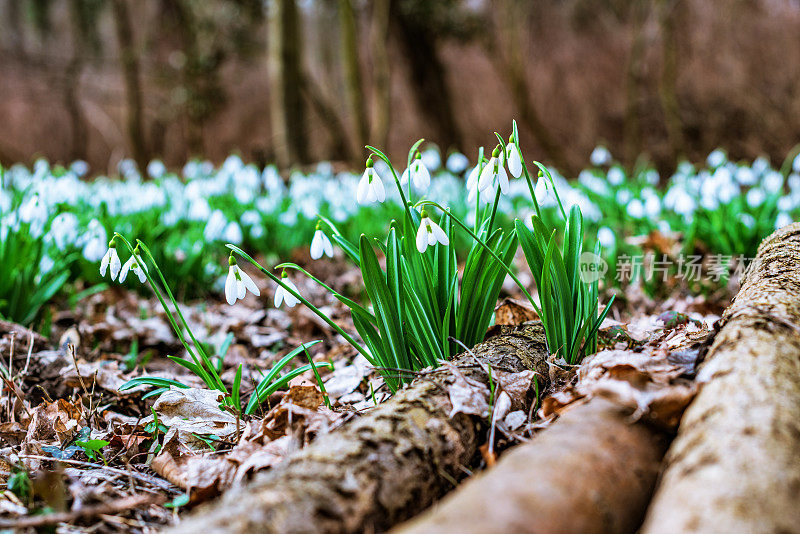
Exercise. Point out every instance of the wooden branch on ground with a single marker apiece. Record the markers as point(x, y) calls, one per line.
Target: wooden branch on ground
point(735, 465)
point(383, 467)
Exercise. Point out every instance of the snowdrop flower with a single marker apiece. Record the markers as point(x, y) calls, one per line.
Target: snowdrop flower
point(606, 237)
point(237, 283)
point(773, 182)
point(716, 158)
point(430, 233)
point(796, 163)
point(417, 173)
point(79, 167)
point(747, 220)
point(95, 242)
point(782, 220)
point(616, 176)
point(755, 197)
point(635, 209)
point(473, 177)
point(135, 264)
point(282, 295)
point(33, 210)
point(600, 156)
point(431, 158)
point(156, 169)
point(111, 259)
point(320, 245)
point(370, 188)
point(494, 172)
point(457, 163)
point(513, 158)
point(746, 176)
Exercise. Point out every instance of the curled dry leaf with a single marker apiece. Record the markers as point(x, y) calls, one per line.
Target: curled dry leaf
point(193, 411)
point(513, 312)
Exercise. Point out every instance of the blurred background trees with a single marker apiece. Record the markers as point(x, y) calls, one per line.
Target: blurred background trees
point(297, 81)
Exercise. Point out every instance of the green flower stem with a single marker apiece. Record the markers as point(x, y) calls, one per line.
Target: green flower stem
point(489, 250)
point(525, 171)
point(310, 306)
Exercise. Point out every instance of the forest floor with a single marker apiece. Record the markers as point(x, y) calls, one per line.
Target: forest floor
point(78, 454)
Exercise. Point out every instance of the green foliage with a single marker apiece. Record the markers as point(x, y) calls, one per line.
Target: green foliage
point(24, 286)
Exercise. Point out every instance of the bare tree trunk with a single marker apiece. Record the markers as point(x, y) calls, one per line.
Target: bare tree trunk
point(735, 465)
point(509, 43)
point(327, 111)
point(381, 112)
point(428, 78)
point(133, 92)
point(352, 70)
point(287, 109)
point(592, 471)
point(382, 467)
point(72, 79)
point(632, 131)
point(668, 91)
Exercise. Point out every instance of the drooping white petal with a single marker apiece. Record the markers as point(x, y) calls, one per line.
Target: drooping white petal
point(123, 274)
point(422, 235)
point(140, 272)
point(378, 189)
point(115, 263)
point(317, 246)
point(288, 298)
point(514, 161)
point(230, 286)
point(472, 177)
point(363, 187)
point(405, 176)
point(104, 263)
point(248, 283)
point(421, 175)
point(439, 234)
point(279, 296)
point(327, 247)
point(502, 177)
point(488, 174)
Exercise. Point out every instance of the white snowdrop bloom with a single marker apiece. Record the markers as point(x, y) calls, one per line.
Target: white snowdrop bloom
point(652, 206)
point(606, 237)
point(233, 233)
point(635, 209)
point(747, 219)
point(513, 158)
point(755, 197)
point(474, 175)
point(623, 196)
point(494, 173)
point(593, 182)
point(33, 210)
point(238, 283)
point(94, 242)
point(457, 163)
point(250, 218)
point(46, 264)
point(320, 245)
point(418, 174)
point(664, 227)
point(64, 229)
point(652, 177)
point(745, 176)
point(716, 158)
point(796, 163)
point(786, 203)
point(709, 202)
point(79, 167)
point(282, 295)
point(215, 227)
point(760, 165)
point(783, 219)
point(429, 234)
point(370, 187)
point(600, 156)
point(136, 265)
point(615, 176)
point(794, 182)
point(111, 260)
point(727, 191)
point(156, 169)
point(772, 182)
point(431, 158)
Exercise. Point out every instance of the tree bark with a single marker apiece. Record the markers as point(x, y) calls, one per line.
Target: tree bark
point(508, 38)
point(133, 91)
point(667, 89)
point(735, 465)
point(72, 80)
point(382, 110)
point(632, 128)
point(352, 70)
point(383, 467)
point(592, 471)
point(287, 108)
point(428, 79)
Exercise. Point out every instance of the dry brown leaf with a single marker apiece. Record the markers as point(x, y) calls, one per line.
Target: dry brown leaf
point(194, 411)
point(513, 312)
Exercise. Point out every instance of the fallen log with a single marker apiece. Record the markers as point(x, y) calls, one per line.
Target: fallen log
point(383, 467)
point(735, 465)
point(590, 471)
